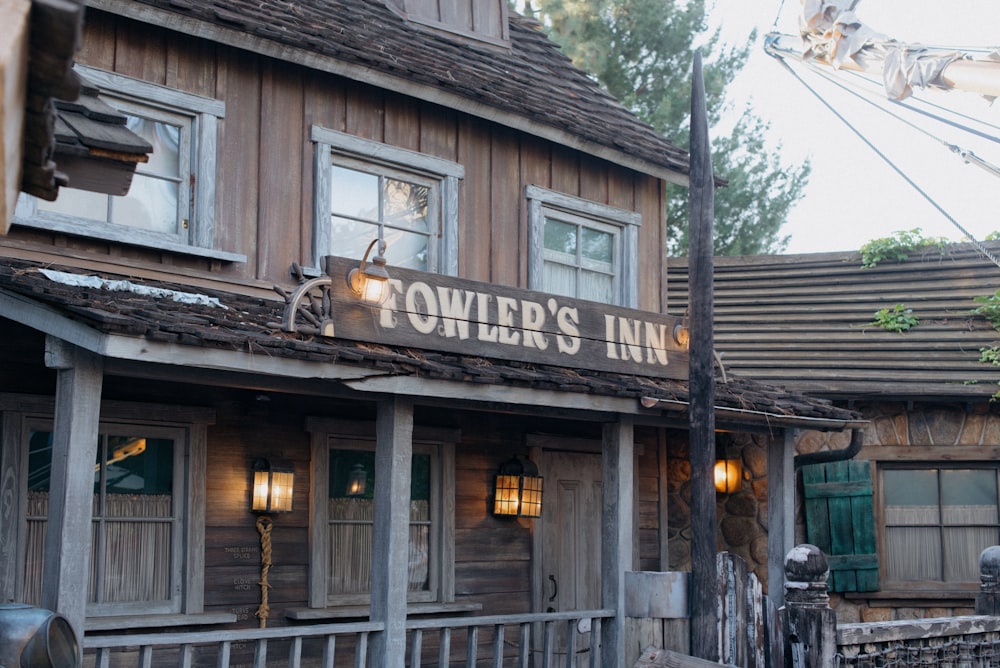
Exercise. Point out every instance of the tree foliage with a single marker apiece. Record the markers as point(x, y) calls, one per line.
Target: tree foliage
point(641, 52)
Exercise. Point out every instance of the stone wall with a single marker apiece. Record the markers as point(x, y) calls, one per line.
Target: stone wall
point(742, 516)
point(907, 424)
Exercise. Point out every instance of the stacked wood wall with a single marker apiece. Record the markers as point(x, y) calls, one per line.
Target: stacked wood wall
point(264, 169)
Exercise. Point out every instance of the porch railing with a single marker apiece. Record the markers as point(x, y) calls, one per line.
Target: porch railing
point(565, 639)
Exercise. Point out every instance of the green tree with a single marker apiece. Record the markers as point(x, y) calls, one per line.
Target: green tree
point(641, 52)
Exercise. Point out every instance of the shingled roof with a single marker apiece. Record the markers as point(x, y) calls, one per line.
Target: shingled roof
point(804, 322)
point(211, 319)
point(531, 86)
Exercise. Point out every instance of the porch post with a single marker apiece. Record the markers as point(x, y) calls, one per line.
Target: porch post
point(79, 377)
point(780, 511)
point(616, 534)
point(393, 454)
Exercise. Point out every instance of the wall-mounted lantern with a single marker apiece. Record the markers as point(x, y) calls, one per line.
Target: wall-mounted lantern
point(370, 281)
point(272, 488)
point(728, 475)
point(518, 489)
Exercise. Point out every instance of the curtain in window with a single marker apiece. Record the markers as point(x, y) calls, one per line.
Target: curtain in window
point(137, 551)
point(351, 524)
point(938, 522)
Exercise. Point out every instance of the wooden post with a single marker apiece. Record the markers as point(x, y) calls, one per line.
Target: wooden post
point(391, 538)
point(780, 511)
point(616, 535)
point(988, 598)
point(704, 613)
point(66, 572)
point(810, 623)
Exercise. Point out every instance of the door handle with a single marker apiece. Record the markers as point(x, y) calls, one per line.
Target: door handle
point(555, 587)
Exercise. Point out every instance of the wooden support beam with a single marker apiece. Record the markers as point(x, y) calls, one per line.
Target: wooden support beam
point(391, 538)
point(616, 533)
point(66, 572)
point(780, 511)
point(704, 614)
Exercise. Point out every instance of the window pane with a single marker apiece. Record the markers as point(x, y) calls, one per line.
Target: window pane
point(152, 200)
point(132, 520)
point(405, 249)
point(165, 159)
point(350, 238)
point(354, 194)
point(406, 205)
point(560, 279)
point(596, 287)
point(37, 511)
point(79, 203)
point(151, 204)
point(962, 550)
point(969, 496)
point(911, 487)
point(560, 236)
point(351, 487)
point(913, 553)
point(597, 245)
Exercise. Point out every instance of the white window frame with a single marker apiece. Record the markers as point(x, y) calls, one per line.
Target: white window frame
point(330, 435)
point(199, 118)
point(544, 203)
point(442, 175)
point(188, 428)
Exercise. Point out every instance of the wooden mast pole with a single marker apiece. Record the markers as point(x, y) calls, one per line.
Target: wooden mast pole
point(703, 595)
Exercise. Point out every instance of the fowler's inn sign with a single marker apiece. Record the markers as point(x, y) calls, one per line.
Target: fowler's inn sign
point(447, 314)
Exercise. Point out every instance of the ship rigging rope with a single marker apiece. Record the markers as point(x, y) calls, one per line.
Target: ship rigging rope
point(979, 246)
point(966, 155)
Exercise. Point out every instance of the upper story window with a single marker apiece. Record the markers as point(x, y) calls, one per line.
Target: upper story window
point(364, 188)
point(148, 510)
point(171, 202)
point(581, 249)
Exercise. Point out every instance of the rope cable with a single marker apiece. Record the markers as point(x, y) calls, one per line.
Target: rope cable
point(979, 246)
point(967, 155)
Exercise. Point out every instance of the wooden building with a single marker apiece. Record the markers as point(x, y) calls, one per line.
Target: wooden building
point(201, 331)
point(927, 472)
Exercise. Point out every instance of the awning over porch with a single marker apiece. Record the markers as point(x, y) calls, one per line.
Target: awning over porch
point(133, 323)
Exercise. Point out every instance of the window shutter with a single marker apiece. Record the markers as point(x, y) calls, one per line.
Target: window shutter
point(840, 521)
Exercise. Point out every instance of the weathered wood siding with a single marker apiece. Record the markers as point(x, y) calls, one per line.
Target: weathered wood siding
point(265, 174)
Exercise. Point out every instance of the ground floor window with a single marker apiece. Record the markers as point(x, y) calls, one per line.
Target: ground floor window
point(146, 553)
point(938, 521)
point(341, 557)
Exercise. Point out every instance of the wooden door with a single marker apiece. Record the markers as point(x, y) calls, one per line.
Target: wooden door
point(570, 565)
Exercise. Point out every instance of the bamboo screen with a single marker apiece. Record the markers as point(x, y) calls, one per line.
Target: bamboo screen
point(351, 521)
point(136, 546)
point(132, 534)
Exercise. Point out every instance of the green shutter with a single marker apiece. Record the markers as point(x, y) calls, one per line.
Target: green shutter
point(840, 521)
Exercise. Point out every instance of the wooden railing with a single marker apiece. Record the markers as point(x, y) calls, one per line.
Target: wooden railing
point(565, 639)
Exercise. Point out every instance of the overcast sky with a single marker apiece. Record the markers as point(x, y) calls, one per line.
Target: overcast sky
point(853, 196)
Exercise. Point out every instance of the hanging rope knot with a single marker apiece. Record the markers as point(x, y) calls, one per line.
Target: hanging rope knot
point(264, 525)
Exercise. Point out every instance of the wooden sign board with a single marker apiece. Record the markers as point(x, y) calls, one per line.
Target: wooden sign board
point(448, 314)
